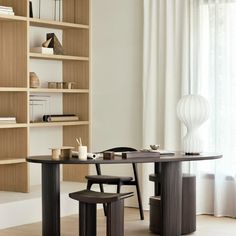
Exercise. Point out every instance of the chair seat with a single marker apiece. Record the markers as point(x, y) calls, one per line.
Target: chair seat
point(108, 179)
point(89, 196)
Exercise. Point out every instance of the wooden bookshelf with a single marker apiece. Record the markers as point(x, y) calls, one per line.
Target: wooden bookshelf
point(15, 91)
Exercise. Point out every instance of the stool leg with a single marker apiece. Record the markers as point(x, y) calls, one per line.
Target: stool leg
point(89, 185)
point(115, 218)
point(87, 219)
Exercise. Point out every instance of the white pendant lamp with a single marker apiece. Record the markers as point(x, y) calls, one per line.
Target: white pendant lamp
point(193, 111)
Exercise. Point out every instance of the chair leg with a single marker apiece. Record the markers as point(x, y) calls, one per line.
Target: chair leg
point(138, 191)
point(98, 169)
point(118, 187)
point(89, 184)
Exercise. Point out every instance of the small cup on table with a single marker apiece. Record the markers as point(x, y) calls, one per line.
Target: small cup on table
point(82, 153)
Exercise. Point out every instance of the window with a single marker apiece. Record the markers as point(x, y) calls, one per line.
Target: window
point(214, 77)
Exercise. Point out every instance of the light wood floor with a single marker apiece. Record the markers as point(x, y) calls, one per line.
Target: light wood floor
point(206, 226)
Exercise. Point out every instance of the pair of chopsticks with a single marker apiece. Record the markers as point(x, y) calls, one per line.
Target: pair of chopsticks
point(79, 141)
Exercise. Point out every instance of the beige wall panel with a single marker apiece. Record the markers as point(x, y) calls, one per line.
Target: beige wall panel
point(76, 11)
point(76, 42)
point(14, 104)
point(13, 143)
point(19, 6)
point(14, 177)
point(78, 72)
point(13, 54)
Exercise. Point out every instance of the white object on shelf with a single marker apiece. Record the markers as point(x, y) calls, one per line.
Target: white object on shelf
point(7, 120)
point(39, 106)
point(2, 12)
point(193, 111)
point(42, 50)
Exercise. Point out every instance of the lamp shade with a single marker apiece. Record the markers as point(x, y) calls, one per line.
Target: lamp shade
point(193, 111)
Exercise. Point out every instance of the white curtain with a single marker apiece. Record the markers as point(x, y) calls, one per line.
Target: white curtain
point(213, 40)
point(193, 43)
point(165, 75)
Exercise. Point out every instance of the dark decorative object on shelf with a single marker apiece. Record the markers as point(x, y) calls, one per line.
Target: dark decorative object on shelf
point(55, 44)
point(31, 10)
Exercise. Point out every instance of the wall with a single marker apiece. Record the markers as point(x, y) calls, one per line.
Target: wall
point(117, 74)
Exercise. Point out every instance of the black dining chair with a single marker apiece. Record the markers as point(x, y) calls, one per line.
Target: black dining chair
point(117, 180)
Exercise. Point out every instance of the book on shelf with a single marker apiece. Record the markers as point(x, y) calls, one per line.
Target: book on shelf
point(6, 10)
point(58, 118)
point(7, 120)
point(161, 151)
point(139, 154)
point(7, 13)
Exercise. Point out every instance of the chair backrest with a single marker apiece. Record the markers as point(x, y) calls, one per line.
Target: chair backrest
point(115, 149)
point(120, 149)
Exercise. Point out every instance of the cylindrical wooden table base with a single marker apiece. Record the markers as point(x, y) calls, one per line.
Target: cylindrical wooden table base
point(188, 221)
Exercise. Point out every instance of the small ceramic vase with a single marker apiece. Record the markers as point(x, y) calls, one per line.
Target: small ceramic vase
point(34, 80)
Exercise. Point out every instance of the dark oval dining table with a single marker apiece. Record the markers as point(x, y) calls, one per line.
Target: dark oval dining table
point(171, 187)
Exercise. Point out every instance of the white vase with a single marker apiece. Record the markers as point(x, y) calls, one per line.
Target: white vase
point(193, 111)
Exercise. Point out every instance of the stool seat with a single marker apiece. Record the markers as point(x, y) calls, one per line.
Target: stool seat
point(108, 179)
point(89, 196)
point(88, 216)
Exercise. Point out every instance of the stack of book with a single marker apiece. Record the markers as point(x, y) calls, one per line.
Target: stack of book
point(58, 118)
point(7, 120)
point(6, 10)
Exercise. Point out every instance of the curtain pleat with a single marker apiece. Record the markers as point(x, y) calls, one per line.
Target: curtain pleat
point(165, 75)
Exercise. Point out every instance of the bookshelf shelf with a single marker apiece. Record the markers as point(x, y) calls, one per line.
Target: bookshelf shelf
point(12, 18)
point(12, 89)
point(53, 124)
point(55, 24)
point(57, 57)
point(11, 126)
point(48, 90)
point(12, 161)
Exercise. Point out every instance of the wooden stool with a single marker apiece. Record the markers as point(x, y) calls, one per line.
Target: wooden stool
point(188, 206)
point(88, 201)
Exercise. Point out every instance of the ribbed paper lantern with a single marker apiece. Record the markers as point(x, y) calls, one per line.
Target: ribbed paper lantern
point(193, 111)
